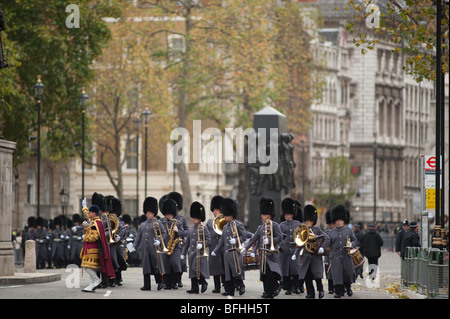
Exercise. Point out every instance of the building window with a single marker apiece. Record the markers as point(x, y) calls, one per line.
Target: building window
point(31, 180)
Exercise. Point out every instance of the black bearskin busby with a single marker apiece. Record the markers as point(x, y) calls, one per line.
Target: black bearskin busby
point(216, 203)
point(267, 207)
point(169, 207)
point(99, 200)
point(150, 205)
point(310, 213)
point(229, 207)
point(198, 211)
point(338, 212)
point(161, 201)
point(178, 198)
point(288, 206)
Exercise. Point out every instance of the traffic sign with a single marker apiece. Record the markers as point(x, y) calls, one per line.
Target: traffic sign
point(430, 163)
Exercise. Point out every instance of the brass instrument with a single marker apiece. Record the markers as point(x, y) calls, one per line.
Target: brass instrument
point(218, 223)
point(158, 234)
point(113, 226)
point(268, 233)
point(205, 254)
point(304, 236)
point(172, 240)
point(235, 233)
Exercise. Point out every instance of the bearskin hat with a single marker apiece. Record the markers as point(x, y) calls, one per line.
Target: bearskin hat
point(169, 207)
point(288, 206)
point(31, 221)
point(347, 217)
point(267, 207)
point(150, 205)
point(198, 211)
point(338, 212)
point(161, 201)
point(328, 217)
point(57, 221)
point(229, 207)
point(299, 215)
point(126, 219)
point(76, 218)
point(216, 203)
point(116, 206)
point(99, 200)
point(39, 221)
point(310, 213)
point(178, 198)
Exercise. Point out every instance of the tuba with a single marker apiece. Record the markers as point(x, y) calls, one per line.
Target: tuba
point(218, 223)
point(303, 235)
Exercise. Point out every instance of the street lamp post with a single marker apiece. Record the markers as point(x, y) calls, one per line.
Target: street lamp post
point(83, 100)
point(64, 199)
point(146, 114)
point(137, 126)
point(39, 91)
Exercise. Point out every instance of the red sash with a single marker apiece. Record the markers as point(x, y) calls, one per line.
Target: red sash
point(105, 254)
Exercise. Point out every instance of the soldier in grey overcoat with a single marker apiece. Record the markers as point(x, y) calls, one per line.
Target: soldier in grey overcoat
point(57, 244)
point(148, 241)
point(268, 233)
point(172, 263)
point(341, 263)
point(311, 267)
point(197, 240)
point(326, 259)
point(233, 234)
point(76, 240)
point(216, 267)
point(42, 241)
point(290, 269)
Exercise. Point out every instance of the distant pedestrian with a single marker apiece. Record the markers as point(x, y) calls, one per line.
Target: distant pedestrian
point(371, 249)
point(410, 238)
point(399, 237)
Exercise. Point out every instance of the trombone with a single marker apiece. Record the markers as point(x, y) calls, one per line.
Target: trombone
point(158, 234)
point(199, 255)
point(235, 233)
point(268, 233)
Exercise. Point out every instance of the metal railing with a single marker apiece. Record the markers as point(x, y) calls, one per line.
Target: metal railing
point(425, 270)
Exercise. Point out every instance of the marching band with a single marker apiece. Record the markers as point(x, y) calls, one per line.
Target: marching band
point(289, 254)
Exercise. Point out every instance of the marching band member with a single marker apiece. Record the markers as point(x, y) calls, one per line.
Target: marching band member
point(95, 252)
point(178, 198)
point(175, 231)
point(116, 246)
point(99, 200)
point(341, 264)
point(289, 268)
point(233, 234)
point(311, 267)
point(76, 241)
point(197, 240)
point(216, 267)
point(326, 260)
point(148, 241)
point(269, 236)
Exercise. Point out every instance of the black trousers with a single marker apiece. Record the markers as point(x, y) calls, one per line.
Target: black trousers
point(309, 283)
point(270, 280)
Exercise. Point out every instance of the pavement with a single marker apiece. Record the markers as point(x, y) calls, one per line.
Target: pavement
point(67, 284)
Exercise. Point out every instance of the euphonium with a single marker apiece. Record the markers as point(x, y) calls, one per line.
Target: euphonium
point(302, 235)
point(218, 223)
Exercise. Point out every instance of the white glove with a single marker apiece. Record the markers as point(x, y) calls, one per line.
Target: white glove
point(243, 250)
point(266, 241)
point(61, 236)
point(213, 254)
point(156, 242)
point(182, 257)
point(74, 229)
point(232, 241)
point(117, 238)
point(175, 229)
point(131, 248)
point(294, 257)
point(321, 250)
point(84, 202)
point(199, 246)
point(252, 255)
